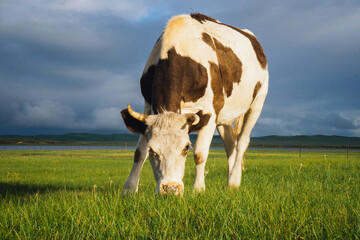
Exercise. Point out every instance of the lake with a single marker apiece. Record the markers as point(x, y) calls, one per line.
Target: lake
point(56, 147)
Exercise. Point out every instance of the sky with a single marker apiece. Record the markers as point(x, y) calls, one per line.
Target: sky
point(71, 65)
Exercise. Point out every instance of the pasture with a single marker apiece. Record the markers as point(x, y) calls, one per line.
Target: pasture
point(77, 195)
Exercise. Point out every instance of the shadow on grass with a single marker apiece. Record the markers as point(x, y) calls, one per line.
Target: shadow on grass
point(20, 189)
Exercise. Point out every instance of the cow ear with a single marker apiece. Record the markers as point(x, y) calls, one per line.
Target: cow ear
point(203, 121)
point(133, 124)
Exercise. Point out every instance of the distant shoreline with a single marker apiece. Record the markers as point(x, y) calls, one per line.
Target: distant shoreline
point(132, 148)
point(86, 139)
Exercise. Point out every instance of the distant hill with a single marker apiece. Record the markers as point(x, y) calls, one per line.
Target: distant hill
point(307, 141)
point(321, 141)
point(71, 139)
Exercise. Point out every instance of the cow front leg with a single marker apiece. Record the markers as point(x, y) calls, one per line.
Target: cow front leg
point(141, 152)
point(201, 152)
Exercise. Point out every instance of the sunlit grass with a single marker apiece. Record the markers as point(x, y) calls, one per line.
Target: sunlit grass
point(77, 195)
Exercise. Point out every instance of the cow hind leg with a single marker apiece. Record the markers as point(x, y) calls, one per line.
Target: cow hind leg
point(243, 140)
point(201, 152)
point(227, 135)
point(237, 126)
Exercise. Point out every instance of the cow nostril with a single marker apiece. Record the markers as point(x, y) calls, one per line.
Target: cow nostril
point(165, 188)
point(171, 188)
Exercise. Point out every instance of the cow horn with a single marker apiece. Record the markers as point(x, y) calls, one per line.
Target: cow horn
point(139, 116)
point(193, 118)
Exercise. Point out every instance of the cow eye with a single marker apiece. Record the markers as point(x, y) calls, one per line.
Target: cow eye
point(152, 152)
point(186, 149)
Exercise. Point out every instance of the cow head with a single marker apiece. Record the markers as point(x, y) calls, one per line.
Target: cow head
point(168, 142)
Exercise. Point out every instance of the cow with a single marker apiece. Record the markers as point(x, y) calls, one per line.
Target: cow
point(201, 75)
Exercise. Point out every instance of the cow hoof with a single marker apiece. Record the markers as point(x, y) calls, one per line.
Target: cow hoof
point(129, 191)
point(234, 186)
point(199, 189)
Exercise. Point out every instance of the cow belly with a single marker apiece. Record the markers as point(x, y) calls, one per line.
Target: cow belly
point(238, 102)
point(233, 108)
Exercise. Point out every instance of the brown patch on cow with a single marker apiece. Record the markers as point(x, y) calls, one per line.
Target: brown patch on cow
point(208, 40)
point(230, 67)
point(177, 79)
point(202, 18)
point(225, 74)
point(146, 83)
point(254, 42)
point(204, 119)
point(256, 90)
point(198, 158)
point(137, 156)
point(260, 55)
point(219, 99)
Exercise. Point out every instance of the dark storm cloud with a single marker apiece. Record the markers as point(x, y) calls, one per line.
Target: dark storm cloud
point(70, 69)
point(336, 121)
point(74, 64)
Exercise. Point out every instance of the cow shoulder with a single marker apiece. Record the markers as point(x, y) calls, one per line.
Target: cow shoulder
point(177, 76)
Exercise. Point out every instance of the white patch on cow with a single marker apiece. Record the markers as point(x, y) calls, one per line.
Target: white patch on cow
point(185, 35)
point(165, 137)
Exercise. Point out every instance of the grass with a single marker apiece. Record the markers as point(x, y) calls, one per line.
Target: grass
point(77, 195)
point(81, 139)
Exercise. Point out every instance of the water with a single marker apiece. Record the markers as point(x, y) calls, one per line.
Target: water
point(296, 149)
point(22, 147)
point(55, 147)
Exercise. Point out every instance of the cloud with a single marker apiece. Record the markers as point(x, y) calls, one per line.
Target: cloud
point(50, 114)
point(74, 64)
point(274, 126)
point(128, 9)
point(307, 121)
point(335, 120)
point(80, 106)
point(131, 10)
point(44, 114)
point(106, 119)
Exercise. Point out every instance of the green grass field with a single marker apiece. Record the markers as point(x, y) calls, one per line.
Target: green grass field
point(77, 195)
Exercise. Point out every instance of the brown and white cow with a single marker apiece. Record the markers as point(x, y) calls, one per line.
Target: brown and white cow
point(201, 75)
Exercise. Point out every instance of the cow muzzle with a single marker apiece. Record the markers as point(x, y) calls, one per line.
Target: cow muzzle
point(171, 188)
